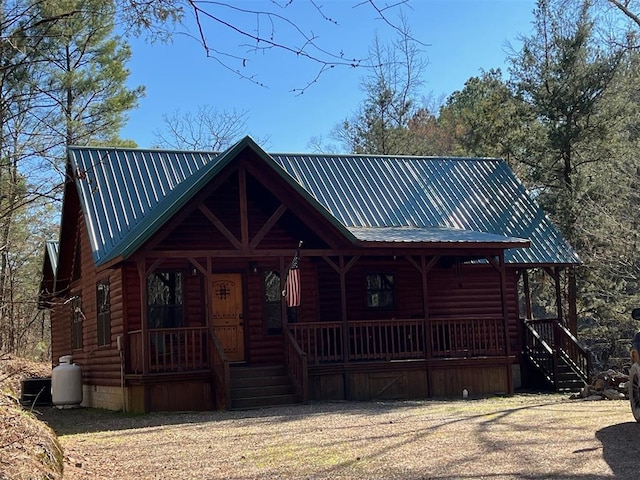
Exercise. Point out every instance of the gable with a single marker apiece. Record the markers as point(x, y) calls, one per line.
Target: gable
point(127, 195)
point(213, 219)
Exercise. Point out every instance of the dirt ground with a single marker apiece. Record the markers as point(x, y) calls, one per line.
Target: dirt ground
point(519, 437)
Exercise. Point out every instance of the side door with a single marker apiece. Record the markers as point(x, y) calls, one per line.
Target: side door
point(228, 324)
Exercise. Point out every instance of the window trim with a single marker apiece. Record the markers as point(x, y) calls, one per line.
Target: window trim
point(183, 275)
point(103, 317)
point(77, 320)
point(369, 291)
point(268, 330)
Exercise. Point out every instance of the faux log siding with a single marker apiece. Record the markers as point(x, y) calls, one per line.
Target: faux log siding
point(474, 290)
point(469, 290)
point(194, 301)
point(329, 298)
point(60, 330)
point(263, 348)
point(408, 296)
point(131, 298)
point(100, 365)
point(513, 313)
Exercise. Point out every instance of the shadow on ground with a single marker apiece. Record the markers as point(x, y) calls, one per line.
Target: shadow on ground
point(621, 449)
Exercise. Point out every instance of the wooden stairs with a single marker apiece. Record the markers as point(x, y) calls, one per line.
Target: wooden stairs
point(261, 386)
point(556, 355)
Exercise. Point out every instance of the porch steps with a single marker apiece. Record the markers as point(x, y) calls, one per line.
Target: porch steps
point(568, 381)
point(264, 386)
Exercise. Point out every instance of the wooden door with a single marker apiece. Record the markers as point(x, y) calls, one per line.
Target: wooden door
point(228, 324)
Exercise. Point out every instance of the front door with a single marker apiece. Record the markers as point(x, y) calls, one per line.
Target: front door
point(226, 302)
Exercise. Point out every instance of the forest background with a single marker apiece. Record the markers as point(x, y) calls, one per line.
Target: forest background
point(565, 115)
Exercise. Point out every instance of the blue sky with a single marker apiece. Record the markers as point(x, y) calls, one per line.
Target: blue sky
point(462, 37)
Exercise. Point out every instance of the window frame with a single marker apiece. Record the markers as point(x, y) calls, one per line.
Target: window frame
point(77, 319)
point(103, 313)
point(274, 304)
point(369, 292)
point(167, 307)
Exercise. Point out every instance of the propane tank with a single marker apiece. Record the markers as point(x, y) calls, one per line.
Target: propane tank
point(66, 383)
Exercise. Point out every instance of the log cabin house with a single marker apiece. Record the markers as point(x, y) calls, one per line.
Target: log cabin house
point(169, 284)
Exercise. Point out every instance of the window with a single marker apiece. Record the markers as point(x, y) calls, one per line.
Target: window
point(380, 290)
point(164, 300)
point(273, 302)
point(103, 307)
point(76, 322)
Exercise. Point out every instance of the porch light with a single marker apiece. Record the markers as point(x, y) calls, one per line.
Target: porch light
point(253, 266)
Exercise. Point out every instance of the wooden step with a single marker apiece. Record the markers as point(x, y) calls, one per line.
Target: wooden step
point(262, 390)
point(261, 402)
point(264, 386)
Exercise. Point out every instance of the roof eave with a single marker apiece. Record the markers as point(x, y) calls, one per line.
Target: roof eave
point(444, 245)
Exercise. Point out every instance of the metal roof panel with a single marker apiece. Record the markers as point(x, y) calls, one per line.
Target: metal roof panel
point(126, 194)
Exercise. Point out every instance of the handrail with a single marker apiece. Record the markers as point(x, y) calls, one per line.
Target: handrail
point(559, 342)
point(540, 352)
point(576, 355)
point(297, 362)
point(221, 373)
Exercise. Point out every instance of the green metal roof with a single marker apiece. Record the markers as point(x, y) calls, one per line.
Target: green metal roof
point(128, 194)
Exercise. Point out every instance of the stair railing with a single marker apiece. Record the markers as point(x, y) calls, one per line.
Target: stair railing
point(540, 353)
point(221, 374)
point(548, 340)
point(576, 356)
point(296, 362)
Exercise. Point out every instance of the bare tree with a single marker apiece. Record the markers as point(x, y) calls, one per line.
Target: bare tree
point(271, 27)
point(206, 129)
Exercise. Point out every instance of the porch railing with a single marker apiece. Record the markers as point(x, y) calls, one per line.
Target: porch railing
point(386, 340)
point(467, 337)
point(296, 362)
point(169, 350)
point(400, 339)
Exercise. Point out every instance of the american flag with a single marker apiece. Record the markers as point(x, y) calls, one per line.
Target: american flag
point(292, 286)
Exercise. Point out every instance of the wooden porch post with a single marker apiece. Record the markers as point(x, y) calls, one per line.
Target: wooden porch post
point(505, 310)
point(425, 308)
point(556, 276)
point(142, 275)
point(343, 313)
point(426, 268)
point(527, 295)
point(283, 303)
point(500, 266)
point(573, 309)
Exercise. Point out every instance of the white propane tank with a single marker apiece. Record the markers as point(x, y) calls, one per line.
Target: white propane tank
point(66, 383)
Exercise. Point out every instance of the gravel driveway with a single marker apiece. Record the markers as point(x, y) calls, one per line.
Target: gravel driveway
point(519, 437)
